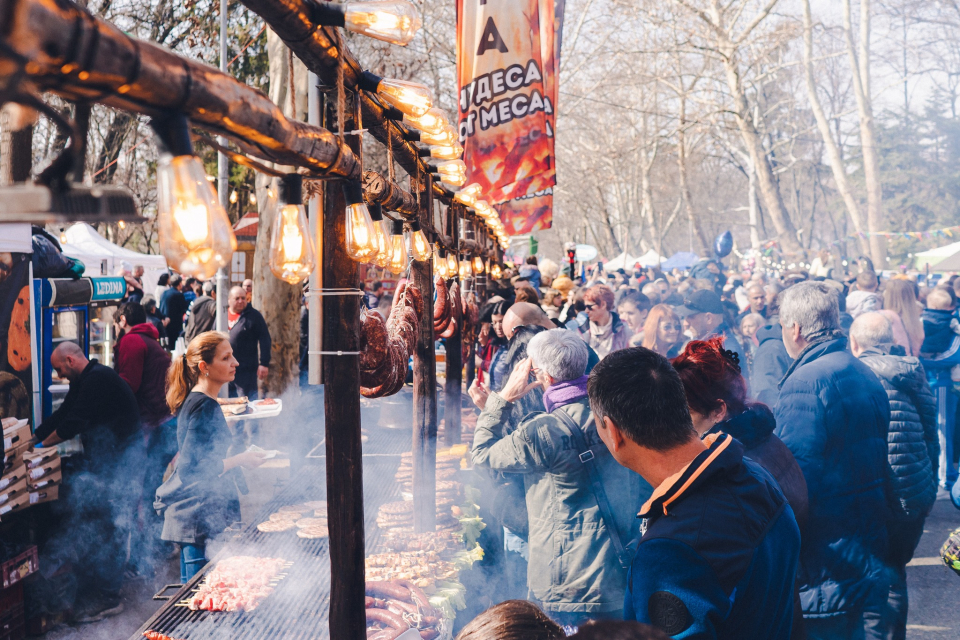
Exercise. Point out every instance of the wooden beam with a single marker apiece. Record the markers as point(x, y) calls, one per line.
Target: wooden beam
point(425, 392)
point(62, 48)
point(379, 190)
point(341, 374)
point(454, 375)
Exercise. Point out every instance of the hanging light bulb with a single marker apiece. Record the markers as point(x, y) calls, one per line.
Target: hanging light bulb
point(63, 237)
point(121, 224)
point(393, 21)
point(484, 210)
point(291, 249)
point(447, 136)
point(233, 197)
point(380, 235)
point(439, 263)
point(469, 194)
point(397, 249)
point(409, 97)
point(419, 246)
point(433, 122)
point(453, 172)
point(195, 233)
point(465, 269)
point(253, 198)
point(452, 151)
point(495, 272)
point(361, 236)
point(477, 265)
point(452, 264)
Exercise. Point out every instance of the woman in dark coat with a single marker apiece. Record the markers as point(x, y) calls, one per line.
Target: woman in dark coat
point(200, 499)
point(717, 396)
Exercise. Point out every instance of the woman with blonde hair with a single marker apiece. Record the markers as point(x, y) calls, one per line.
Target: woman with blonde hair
point(901, 309)
point(662, 331)
point(201, 499)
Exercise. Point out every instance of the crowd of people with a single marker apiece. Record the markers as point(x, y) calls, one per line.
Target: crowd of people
point(716, 455)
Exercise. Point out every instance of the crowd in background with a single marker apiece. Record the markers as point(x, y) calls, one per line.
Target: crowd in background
point(828, 382)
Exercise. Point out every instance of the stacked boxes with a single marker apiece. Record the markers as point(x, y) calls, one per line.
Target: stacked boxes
point(43, 474)
point(30, 476)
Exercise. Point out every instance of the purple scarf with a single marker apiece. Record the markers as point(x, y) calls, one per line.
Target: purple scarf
point(564, 393)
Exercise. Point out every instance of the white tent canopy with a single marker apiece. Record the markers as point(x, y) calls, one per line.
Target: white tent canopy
point(103, 258)
point(650, 259)
point(622, 261)
point(933, 256)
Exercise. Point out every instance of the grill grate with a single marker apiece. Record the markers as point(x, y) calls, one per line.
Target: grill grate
point(299, 605)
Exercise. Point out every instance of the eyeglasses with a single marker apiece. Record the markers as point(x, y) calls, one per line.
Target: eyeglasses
point(590, 307)
point(675, 327)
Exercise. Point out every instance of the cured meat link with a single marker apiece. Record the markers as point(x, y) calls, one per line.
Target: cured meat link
point(387, 589)
point(386, 634)
point(420, 598)
point(388, 618)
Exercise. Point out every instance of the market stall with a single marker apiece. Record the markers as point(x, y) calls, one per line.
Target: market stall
point(104, 258)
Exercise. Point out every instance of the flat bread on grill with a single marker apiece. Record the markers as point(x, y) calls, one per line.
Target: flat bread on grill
point(285, 516)
point(300, 508)
point(275, 526)
point(316, 504)
point(314, 532)
point(304, 523)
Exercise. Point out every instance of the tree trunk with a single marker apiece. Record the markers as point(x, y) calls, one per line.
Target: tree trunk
point(833, 150)
point(278, 301)
point(860, 75)
point(692, 218)
point(753, 207)
point(767, 181)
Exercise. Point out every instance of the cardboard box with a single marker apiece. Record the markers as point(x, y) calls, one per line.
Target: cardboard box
point(15, 504)
point(47, 481)
point(14, 458)
point(38, 457)
point(12, 492)
point(15, 436)
point(49, 467)
point(12, 477)
point(19, 567)
point(47, 494)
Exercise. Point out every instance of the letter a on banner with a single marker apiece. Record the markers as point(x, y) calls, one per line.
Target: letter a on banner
point(506, 105)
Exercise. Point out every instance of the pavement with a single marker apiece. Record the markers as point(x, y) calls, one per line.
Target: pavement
point(934, 589)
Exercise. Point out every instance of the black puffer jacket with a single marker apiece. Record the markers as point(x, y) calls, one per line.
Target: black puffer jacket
point(913, 450)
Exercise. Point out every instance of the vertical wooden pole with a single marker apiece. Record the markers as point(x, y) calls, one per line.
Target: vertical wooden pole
point(425, 388)
point(452, 387)
point(341, 325)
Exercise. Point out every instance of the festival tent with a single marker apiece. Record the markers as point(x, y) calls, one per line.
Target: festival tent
point(103, 258)
point(622, 261)
point(933, 257)
point(650, 259)
point(680, 260)
point(949, 263)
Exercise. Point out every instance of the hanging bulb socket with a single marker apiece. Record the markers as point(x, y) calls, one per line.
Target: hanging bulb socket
point(411, 135)
point(172, 133)
point(291, 189)
point(376, 214)
point(396, 227)
point(393, 21)
point(409, 97)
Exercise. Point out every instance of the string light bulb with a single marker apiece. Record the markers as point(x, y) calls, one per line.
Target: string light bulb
point(409, 97)
point(478, 265)
point(439, 262)
point(419, 245)
point(447, 136)
point(465, 269)
point(196, 237)
point(468, 195)
point(433, 122)
point(380, 235)
point(121, 225)
point(393, 21)
point(233, 197)
point(291, 249)
point(452, 264)
point(253, 198)
point(361, 237)
point(453, 172)
point(452, 151)
point(495, 271)
point(397, 250)
point(63, 237)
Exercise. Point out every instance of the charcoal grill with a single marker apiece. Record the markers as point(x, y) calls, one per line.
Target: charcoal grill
point(298, 606)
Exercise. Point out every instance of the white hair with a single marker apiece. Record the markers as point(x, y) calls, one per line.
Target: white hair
point(812, 305)
point(872, 330)
point(559, 353)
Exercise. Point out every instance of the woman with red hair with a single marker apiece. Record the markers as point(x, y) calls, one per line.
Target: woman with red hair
point(607, 332)
point(717, 396)
point(662, 331)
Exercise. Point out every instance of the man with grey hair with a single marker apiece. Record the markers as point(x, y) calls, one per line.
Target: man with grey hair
point(581, 504)
point(833, 414)
point(202, 314)
point(913, 450)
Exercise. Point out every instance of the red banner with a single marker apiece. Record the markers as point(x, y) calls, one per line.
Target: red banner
point(506, 69)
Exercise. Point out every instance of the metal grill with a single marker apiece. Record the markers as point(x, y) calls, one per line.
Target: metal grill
point(298, 607)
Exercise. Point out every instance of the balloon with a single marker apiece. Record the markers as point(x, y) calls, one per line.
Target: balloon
point(723, 245)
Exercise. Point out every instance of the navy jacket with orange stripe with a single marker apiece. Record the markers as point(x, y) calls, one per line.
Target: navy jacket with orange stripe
point(719, 554)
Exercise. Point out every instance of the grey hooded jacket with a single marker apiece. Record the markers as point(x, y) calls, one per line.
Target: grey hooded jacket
point(573, 566)
point(913, 450)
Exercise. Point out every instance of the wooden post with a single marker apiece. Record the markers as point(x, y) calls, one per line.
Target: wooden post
point(341, 327)
point(425, 389)
point(452, 388)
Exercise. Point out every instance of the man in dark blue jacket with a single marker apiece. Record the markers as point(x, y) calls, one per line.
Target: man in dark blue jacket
point(720, 544)
point(770, 362)
point(833, 415)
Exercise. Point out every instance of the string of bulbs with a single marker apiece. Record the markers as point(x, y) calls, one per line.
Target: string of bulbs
point(196, 236)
